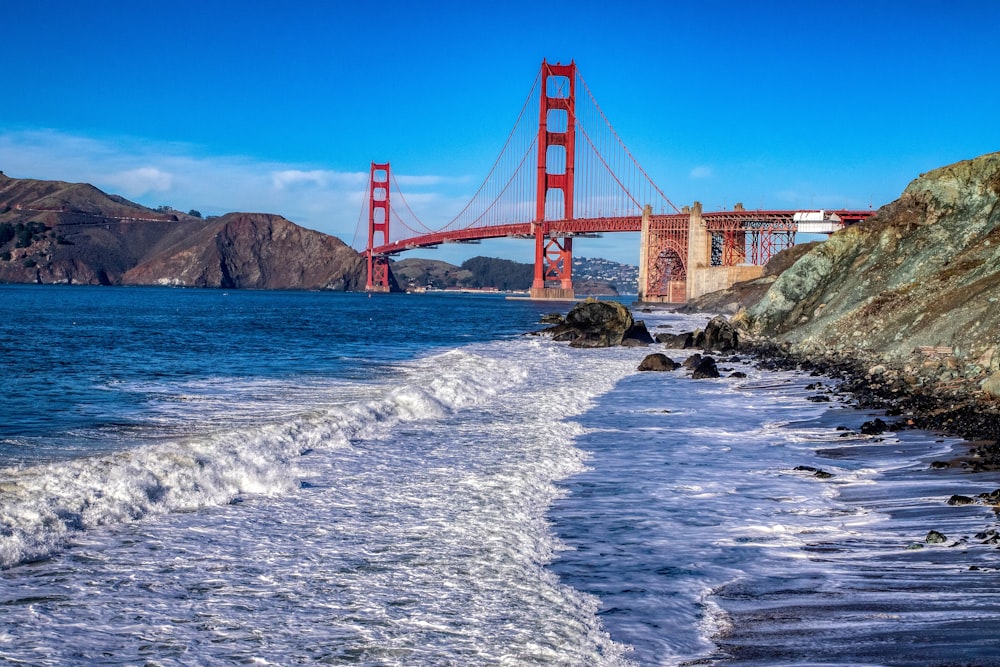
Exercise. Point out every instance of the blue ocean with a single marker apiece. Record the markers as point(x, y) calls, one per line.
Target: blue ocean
point(203, 477)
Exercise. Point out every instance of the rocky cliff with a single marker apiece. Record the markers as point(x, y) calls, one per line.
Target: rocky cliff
point(910, 296)
point(55, 232)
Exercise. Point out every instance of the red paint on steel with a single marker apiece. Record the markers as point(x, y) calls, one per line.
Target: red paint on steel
point(378, 223)
point(554, 258)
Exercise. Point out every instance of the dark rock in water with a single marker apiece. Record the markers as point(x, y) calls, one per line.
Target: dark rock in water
point(874, 427)
point(960, 500)
point(817, 472)
point(992, 498)
point(938, 465)
point(680, 341)
point(599, 323)
point(934, 537)
point(565, 335)
point(658, 362)
point(552, 318)
point(637, 335)
point(593, 324)
point(720, 335)
point(706, 368)
point(692, 361)
point(737, 374)
point(818, 398)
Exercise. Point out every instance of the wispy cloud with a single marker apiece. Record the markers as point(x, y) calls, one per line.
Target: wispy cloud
point(182, 176)
point(141, 181)
point(701, 172)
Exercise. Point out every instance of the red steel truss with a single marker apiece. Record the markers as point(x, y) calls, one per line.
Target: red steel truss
point(667, 249)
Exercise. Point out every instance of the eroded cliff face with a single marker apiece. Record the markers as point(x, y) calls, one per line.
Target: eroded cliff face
point(55, 232)
point(253, 250)
point(916, 287)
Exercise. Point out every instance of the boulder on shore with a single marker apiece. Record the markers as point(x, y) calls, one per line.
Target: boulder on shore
point(706, 368)
point(593, 323)
point(638, 335)
point(658, 362)
point(678, 341)
point(692, 361)
point(720, 335)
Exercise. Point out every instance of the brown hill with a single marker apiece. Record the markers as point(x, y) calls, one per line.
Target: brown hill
point(55, 232)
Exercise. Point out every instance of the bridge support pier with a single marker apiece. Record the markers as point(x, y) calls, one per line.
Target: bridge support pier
point(553, 263)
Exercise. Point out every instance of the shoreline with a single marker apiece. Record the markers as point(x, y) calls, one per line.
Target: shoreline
point(949, 408)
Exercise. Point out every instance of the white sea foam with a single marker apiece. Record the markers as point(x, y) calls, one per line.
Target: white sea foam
point(41, 505)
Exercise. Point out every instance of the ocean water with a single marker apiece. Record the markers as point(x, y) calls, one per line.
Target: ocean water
point(201, 477)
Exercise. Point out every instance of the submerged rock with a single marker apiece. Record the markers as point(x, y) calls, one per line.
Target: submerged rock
point(934, 537)
point(817, 472)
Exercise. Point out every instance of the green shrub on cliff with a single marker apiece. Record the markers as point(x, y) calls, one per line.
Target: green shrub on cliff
point(7, 232)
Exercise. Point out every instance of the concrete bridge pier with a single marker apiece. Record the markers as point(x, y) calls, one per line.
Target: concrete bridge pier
point(675, 260)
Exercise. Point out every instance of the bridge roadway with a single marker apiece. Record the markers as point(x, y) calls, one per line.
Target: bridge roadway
point(715, 221)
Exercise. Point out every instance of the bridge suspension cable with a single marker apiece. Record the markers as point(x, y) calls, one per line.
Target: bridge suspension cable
point(624, 184)
point(609, 182)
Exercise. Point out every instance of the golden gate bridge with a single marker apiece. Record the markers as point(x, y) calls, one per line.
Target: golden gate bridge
point(571, 175)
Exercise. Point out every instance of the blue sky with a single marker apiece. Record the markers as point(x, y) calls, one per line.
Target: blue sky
point(281, 106)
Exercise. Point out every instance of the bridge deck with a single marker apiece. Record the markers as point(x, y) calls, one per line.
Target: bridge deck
point(716, 221)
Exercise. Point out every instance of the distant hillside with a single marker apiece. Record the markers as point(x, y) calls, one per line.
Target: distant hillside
point(416, 272)
point(487, 272)
point(623, 277)
point(56, 232)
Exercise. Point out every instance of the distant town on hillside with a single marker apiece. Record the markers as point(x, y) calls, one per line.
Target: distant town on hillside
point(625, 277)
point(590, 275)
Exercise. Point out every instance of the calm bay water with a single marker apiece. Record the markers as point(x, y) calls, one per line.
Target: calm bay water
point(214, 478)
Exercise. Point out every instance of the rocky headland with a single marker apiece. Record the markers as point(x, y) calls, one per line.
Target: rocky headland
point(904, 308)
point(73, 233)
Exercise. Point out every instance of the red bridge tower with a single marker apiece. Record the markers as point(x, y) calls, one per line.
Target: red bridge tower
point(556, 130)
point(378, 221)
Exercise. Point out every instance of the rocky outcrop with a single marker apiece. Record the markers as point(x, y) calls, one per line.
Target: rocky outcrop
point(593, 323)
point(55, 232)
point(253, 250)
point(916, 286)
point(719, 335)
point(740, 295)
point(906, 305)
